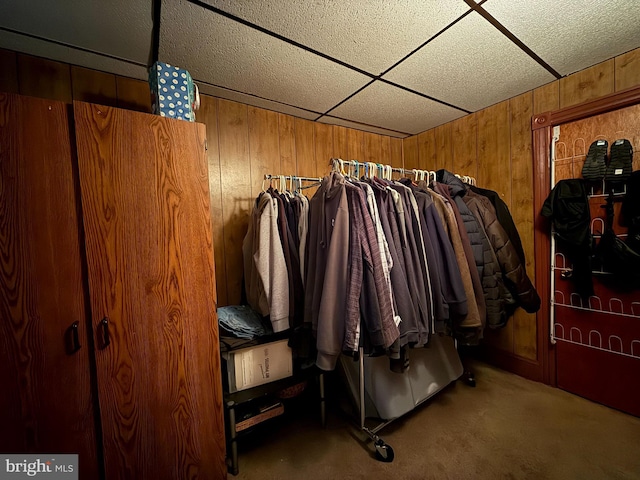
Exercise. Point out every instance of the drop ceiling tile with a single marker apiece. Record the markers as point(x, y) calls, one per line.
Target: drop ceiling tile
point(361, 126)
point(371, 35)
point(389, 107)
point(255, 101)
point(572, 34)
point(231, 55)
point(42, 48)
point(120, 28)
point(471, 65)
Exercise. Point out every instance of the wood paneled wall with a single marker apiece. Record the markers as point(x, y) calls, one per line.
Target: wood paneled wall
point(244, 144)
point(495, 146)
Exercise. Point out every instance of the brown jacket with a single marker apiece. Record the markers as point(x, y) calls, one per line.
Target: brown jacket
point(472, 320)
point(516, 279)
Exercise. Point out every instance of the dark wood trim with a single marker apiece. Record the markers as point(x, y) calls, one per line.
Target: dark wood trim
point(614, 101)
point(542, 127)
point(157, 18)
point(531, 369)
point(542, 246)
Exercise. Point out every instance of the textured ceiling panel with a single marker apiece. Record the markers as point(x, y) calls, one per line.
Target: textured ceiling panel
point(471, 65)
point(120, 28)
point(360, 126)
point(385, 106)
point(371, 35)
point(255, 101)
point(231, 55)
point(42, 48)
point(572, 34)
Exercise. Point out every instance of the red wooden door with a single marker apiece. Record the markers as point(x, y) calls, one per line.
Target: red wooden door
point(46, 402)
point(145, 201)
point(597, 338)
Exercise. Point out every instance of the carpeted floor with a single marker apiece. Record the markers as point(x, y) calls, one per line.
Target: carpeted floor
point(506, 427)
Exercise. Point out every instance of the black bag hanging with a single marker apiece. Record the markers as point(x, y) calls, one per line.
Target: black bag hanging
point(615, 254)
point(631, 211)
point(568, 207)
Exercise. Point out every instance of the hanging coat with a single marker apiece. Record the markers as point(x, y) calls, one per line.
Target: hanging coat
point(512, 269)
point(326, 275)
point(568, 207)
point(471, 323)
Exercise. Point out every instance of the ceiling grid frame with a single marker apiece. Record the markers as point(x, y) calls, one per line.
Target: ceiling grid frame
point(329, 61)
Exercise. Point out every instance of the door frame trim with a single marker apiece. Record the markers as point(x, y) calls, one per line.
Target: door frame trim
point(542, 130)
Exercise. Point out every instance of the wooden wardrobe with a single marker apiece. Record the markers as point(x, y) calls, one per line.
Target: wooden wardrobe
point(108, 330)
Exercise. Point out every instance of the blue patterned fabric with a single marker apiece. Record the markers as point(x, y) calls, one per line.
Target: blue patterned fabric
point(172, 92)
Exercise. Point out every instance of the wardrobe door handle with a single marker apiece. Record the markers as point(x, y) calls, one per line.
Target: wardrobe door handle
point(72, 339)
point(75, 336)
point(106, 339)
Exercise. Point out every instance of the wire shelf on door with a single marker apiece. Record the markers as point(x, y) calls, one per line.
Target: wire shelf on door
point(615, 344)
point(561, 265)
point(564, 268)
point(594, 304)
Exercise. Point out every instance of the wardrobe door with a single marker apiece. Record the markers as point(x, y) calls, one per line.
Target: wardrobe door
point(45, 401)
point(145, 200)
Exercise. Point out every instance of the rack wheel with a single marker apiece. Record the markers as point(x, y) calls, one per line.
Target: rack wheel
point(469, 378)
point(384, 452)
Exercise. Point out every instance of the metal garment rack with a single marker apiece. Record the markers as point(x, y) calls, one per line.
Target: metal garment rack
point(353, 168)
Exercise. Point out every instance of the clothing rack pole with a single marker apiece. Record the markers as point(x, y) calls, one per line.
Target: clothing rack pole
point(339, 165)
point(292, 177)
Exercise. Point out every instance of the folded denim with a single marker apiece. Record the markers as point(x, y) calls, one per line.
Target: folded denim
point(242, 321)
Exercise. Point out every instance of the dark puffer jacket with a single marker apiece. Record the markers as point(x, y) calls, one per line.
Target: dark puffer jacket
point(513, 271)
point(495, 294)
point(478, 241)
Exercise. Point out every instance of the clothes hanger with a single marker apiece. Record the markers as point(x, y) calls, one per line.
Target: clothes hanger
point(270, 178)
